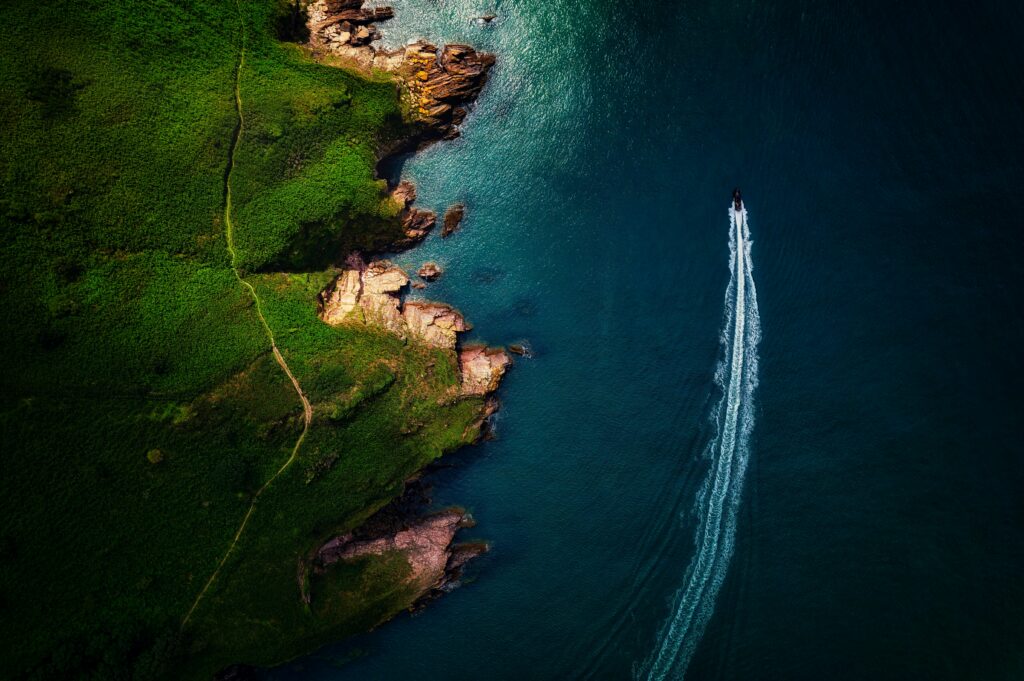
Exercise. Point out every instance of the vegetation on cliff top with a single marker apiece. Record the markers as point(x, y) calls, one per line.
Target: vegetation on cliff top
point(140, 407)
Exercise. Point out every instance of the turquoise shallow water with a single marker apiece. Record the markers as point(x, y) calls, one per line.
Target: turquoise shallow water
point(879, 524)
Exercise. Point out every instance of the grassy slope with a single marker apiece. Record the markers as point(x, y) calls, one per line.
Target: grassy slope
point(125, 331)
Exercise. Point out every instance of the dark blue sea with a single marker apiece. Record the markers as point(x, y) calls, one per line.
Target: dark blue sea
point(821, 479)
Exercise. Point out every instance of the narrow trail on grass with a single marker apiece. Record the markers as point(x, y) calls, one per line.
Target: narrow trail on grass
point(307, 408)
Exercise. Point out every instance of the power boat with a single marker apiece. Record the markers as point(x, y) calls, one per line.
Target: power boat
point(737, 200)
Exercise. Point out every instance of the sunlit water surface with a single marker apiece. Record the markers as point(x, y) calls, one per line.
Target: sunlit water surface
point(878, 530)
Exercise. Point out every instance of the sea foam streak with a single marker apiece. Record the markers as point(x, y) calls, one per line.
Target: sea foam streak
point(719, 498)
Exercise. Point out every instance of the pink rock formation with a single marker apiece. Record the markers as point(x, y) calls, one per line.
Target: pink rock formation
point(426, 543)
point(482, 369)
point(367, 294)
point(340, 297)
point(381, 283)
point(370, 295)
point(436, 324)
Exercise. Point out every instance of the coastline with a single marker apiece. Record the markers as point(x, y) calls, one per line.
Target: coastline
point(437, 86)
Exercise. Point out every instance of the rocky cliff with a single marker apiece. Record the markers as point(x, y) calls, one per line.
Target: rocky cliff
point(426, 542)
point(438, 86)
point(370, 294)
point(441, 83)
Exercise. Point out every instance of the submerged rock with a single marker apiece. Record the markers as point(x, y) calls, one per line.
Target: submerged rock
point(487, 275)
point(525, 307)
point(521, 349)
point(452, 218)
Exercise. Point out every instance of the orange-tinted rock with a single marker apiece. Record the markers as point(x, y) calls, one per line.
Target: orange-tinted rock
point(440, 84)
point(418, 223)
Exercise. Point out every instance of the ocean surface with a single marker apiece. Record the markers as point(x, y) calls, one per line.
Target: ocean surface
point(788, 449)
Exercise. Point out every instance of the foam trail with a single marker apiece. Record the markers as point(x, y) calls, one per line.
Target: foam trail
point(719, 498)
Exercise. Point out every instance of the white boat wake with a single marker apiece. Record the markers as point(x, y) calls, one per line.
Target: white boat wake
point(719, 499)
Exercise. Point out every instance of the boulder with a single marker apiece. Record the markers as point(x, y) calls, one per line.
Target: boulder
point(361, 36)
point(430, 271)
point(381, 277)
point(416, 224)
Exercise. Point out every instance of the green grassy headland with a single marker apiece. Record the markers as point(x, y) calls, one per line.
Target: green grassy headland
point(169, 213)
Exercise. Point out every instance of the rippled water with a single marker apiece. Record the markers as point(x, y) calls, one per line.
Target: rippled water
point(879, 525)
